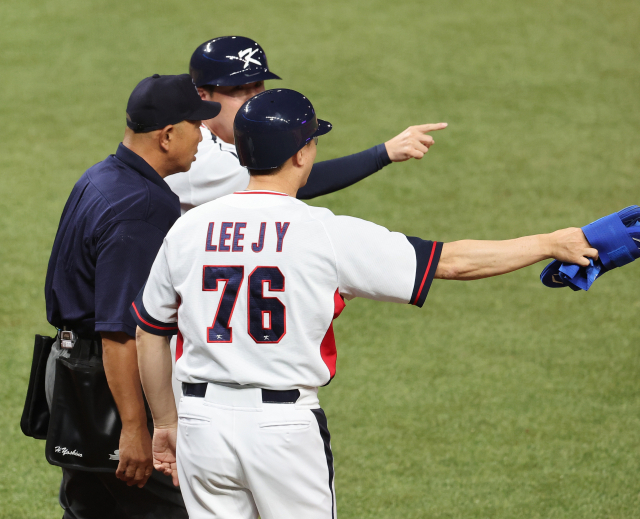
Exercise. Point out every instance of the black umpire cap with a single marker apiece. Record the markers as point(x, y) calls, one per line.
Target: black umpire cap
point(158, 101)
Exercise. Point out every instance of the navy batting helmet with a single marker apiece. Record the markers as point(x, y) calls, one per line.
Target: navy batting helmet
point(229, 61)
point(273, 126)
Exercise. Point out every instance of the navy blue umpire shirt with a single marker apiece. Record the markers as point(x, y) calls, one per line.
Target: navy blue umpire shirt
point(109, 234)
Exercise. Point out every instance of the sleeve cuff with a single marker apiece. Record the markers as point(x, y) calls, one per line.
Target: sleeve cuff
point(427, 258)
point(382, 157)
point(116, 327)
point(148, 323)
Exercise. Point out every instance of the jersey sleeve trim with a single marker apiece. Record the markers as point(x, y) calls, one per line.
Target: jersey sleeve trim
point(148, 323)
point(427, 258)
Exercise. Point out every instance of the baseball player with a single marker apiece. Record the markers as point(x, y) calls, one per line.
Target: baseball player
point(251, 283)
point(232, 69)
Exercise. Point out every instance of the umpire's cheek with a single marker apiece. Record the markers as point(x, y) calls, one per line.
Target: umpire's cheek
point(183, 146)
point(192, 137)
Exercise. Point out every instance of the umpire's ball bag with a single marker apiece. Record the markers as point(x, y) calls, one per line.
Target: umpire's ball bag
point(35, 415)
point(84, 429)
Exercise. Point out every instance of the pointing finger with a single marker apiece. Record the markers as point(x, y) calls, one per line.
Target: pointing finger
point(431, 127)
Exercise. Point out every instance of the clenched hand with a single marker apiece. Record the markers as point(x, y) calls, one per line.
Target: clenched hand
point(135, 464)
point(571, 246)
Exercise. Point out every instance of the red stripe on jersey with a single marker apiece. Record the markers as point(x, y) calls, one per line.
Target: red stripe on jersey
point(426, 272)
point(259, 193)
point(179, 338)
point(328, 350)
point(179, 344)
point(149, 324)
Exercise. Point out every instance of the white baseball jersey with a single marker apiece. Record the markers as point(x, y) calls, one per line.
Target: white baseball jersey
point(252, 282)
point(216, 172)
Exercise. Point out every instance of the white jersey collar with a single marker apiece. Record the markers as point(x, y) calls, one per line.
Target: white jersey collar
point(260, 192)
point(207, 133)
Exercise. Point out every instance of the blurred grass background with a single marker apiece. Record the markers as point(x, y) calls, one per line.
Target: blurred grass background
point(500, 398)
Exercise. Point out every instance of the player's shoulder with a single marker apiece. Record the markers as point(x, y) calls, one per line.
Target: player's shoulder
point(351, 228)
point(338, 224)
point(328, 217)
point(318, 213)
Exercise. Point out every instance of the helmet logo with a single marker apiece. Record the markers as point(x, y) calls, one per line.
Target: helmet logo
point(245, 55)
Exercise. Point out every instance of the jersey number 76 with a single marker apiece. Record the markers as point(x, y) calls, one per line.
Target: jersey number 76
point(267, 316)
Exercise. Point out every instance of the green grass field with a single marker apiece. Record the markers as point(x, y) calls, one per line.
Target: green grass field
point(500, 398)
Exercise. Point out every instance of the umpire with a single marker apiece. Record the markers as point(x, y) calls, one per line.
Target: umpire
point(111, 229)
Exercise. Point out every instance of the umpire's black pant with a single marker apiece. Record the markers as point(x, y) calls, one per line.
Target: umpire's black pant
point(100, 495)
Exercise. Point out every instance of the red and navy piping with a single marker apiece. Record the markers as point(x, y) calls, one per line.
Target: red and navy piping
point(427, 258)
point(148, 323)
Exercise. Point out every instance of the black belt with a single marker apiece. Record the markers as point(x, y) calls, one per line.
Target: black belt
point(269, 396)
point(85, 346)
point(86, 335)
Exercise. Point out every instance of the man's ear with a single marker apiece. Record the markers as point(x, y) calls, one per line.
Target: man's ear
point(299, 159)
point(165, 136)
point(204, 95)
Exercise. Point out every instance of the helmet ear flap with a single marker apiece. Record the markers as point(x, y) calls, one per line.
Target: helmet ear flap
point(229, 61)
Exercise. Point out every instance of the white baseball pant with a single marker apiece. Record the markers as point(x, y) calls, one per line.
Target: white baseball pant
point(240, 458)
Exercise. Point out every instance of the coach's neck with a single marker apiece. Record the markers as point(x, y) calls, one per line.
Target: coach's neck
point(289, 177)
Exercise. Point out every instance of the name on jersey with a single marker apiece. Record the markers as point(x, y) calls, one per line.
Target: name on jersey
point(230, 236)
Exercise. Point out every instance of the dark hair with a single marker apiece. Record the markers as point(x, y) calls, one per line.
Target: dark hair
point(209, 89)
point(265, 172)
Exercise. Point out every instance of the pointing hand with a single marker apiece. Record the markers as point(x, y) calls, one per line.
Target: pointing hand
point(412, 143)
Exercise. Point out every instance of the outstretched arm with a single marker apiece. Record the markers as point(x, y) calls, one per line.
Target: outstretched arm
point(154, 362)
point(332, 175)
point(475, 259)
